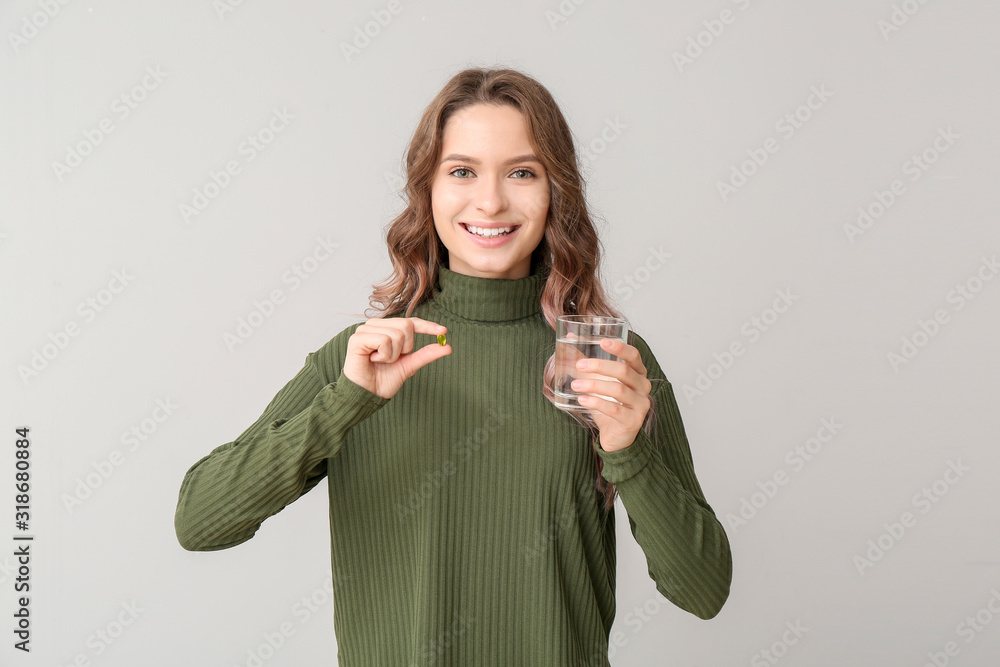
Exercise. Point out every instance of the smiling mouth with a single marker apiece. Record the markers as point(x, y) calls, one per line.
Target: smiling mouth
point(490, 232)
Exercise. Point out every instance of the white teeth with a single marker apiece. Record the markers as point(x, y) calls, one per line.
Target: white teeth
point(488, 233)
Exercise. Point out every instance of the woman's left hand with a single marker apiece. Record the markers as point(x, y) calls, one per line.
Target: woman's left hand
point(619, 423)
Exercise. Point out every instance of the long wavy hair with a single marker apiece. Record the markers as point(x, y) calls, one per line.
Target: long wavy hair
point(569, 254)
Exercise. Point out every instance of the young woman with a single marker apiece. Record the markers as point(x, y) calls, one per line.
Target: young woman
point(472, 521)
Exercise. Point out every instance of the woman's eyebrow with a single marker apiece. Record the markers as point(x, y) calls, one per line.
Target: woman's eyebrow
point(457, 157)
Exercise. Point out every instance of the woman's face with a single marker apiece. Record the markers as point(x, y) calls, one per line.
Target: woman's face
point(488, 178)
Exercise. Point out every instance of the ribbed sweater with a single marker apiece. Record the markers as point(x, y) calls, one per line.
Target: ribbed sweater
point(466, 525)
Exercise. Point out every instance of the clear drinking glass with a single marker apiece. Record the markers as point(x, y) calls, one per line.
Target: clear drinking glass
point(578, 337)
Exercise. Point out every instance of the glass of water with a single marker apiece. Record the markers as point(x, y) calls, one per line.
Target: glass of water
point(579, 337)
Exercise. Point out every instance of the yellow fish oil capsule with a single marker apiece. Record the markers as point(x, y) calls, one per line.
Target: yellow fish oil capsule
point(442, 339)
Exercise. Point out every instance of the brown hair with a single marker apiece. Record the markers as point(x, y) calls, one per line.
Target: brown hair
point(569, 254)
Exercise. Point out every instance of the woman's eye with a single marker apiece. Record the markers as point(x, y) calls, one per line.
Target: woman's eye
point(520, 174)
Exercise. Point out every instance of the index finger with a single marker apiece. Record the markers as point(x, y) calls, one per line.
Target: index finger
point(426, 326)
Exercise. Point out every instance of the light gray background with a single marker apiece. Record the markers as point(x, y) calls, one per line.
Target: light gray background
point(333, 172)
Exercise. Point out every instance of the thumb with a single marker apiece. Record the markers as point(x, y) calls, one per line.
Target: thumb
point(417, 359)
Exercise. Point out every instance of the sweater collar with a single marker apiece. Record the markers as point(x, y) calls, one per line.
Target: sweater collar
point(488, 299)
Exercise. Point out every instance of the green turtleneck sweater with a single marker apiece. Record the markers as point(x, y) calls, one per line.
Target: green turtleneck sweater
point(466, 527)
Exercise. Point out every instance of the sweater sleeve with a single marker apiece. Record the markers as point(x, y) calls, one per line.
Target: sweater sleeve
point(686, 548)
point(226, 495)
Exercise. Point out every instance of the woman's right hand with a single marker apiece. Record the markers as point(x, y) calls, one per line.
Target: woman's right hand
point(380, 357)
